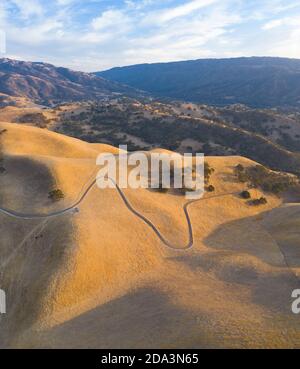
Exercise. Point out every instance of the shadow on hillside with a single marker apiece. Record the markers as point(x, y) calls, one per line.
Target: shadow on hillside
point(145, 318)
point(232, 242)
point(25, 184)
point(272, 290)
point(35, 252)
point(31, 251)
point(249, 236)
point(285, 228)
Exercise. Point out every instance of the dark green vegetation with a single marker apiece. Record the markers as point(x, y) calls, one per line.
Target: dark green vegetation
point(208, 171)
point(256, 82)
point(260, 177)
point(280, 126)
point(148, 124)
point(258, 202)
point(210, 188)
point(38, 119)
point(56, 195)
point(245, 195)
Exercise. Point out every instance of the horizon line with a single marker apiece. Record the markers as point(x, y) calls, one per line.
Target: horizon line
point(154, 63)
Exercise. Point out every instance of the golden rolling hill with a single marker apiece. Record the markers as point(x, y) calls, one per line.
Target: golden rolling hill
point(101, 277)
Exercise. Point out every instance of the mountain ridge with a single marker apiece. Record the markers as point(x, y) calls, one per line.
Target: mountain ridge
point(254, 81)
point(46, 84)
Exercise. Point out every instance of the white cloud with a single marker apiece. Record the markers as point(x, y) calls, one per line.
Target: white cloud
point(289, 46)
point(29, 8)
point(65, 2)
point(93, 35)
point(169, 14)
point(108, 19)
point(272, 24)
point(95, 38)
point(187, 38)
point(293, 21)
point(2, 15)
point(138, 4)
point(38, 34)
point(287, 40)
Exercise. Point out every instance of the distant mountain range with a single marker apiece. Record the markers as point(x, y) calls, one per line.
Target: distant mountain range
point(257, 82)
point(46, 84)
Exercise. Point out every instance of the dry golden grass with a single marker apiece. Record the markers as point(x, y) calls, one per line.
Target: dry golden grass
point(101, 278)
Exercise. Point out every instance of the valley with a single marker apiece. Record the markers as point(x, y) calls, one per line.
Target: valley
point(271, 137)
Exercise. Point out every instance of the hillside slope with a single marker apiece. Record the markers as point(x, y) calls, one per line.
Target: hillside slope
point(256, 82)
point(46, 84)
point(271, 138)
point(101, 278)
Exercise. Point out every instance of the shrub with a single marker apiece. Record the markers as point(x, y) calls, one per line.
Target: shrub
point(37, 118)
point(208, 171)
point(210, 188)
point(245, 195)
point(240, 168)
point(267, 180)
point(56, 195)
point(241, 173)
point(242, 177)
point(261, 201)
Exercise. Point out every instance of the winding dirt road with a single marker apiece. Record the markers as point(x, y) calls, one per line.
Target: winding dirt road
point(73, 209)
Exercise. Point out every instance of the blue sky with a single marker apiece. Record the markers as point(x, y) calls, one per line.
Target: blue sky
point(94, 35)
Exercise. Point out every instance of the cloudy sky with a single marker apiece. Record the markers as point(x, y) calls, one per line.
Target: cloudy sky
point(92, 35)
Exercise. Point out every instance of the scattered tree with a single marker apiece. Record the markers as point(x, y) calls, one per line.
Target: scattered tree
point(208, 171)
point(56, 195)
point(210, 188)
point(240, 173)
point(245, 195)
point(269, 181)
point(260, 201)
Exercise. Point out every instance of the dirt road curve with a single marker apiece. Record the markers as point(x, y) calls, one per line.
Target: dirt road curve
point(73, 209)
